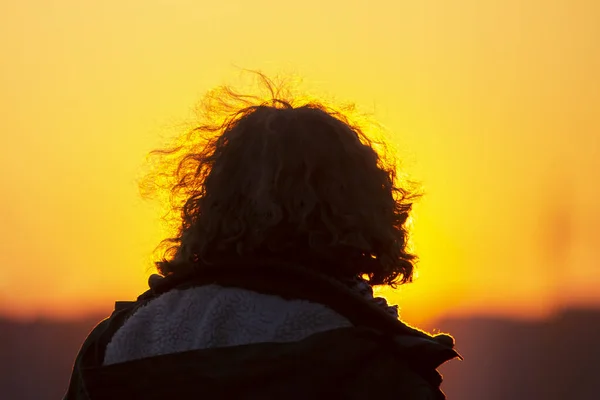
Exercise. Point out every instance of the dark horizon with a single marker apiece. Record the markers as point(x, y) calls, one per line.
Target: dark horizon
point(504, 358)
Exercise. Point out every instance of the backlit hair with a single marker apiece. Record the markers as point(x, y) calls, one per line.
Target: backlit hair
point(277, 180)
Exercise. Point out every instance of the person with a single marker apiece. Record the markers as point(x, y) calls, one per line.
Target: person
point(288, 219)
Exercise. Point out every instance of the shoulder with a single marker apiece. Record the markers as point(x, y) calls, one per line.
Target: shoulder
point(215, 316)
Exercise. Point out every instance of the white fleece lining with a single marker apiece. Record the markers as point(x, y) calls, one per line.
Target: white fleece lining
point(214, 316)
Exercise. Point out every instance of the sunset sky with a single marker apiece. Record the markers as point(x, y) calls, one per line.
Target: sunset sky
point(494, 107)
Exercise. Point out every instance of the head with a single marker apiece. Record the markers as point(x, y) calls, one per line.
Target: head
point(289, 182)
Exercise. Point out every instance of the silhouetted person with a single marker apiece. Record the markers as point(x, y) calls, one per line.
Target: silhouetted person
point(289, 217)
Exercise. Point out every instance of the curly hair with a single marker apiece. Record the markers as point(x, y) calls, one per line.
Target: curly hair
point(274, 180)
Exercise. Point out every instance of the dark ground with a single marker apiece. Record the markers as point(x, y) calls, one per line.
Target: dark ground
point(555, 359)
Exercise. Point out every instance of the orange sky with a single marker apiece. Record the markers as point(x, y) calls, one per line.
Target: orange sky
point(493, 104)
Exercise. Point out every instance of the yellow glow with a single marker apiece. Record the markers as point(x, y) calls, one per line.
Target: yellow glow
point(492, 106)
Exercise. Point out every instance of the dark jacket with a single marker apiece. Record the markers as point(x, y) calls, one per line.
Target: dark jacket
point(327, 329)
